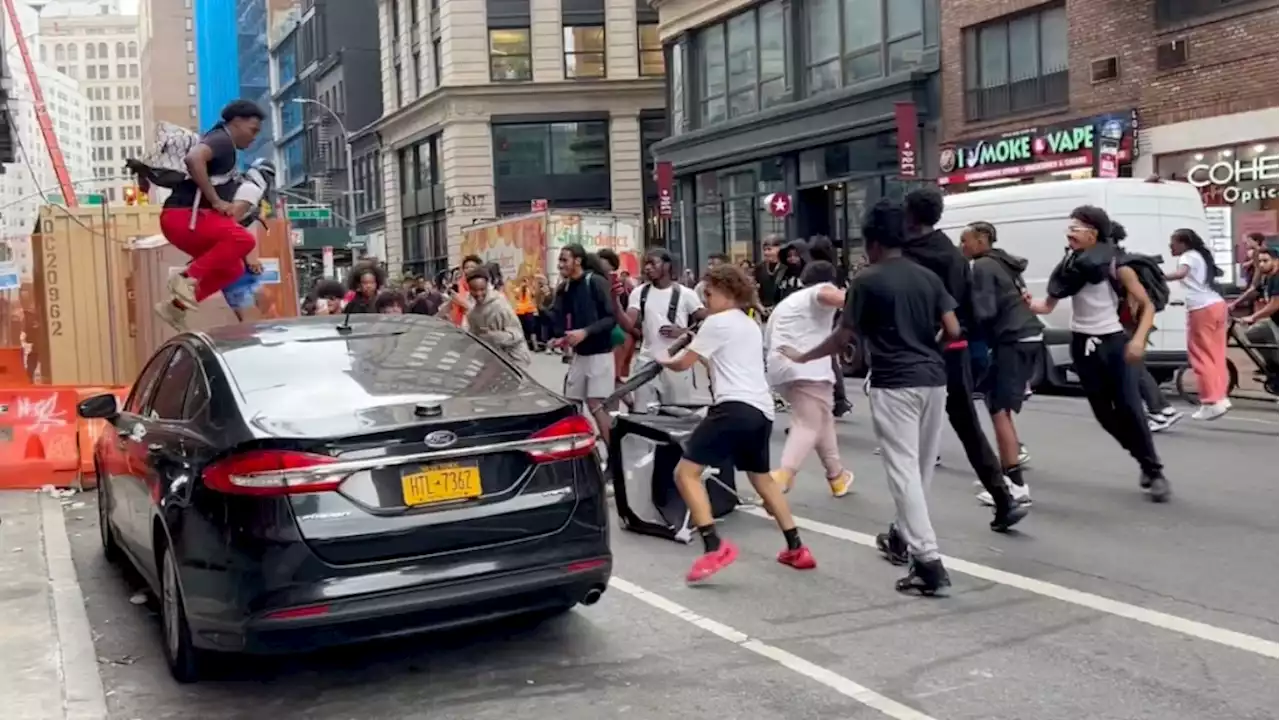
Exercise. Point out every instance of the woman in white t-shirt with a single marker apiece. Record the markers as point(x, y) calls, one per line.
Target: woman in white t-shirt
point(804, 319)
point(739, 423)
point(1206, 321)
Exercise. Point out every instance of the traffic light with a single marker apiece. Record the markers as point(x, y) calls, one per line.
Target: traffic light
point(130, 196)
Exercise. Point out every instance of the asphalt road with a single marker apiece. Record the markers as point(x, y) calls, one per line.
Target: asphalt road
point(1104, 606)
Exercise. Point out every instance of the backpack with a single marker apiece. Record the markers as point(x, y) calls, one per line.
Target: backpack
point(672, 309)
point(1150, 274)
point(165, 166)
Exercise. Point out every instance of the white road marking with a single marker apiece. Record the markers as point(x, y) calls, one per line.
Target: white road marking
point(1202, 631)
point(839, 683)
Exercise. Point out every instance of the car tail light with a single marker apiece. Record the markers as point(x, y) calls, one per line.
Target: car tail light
point(271, 473)
point(298, 613)
point(572, 437)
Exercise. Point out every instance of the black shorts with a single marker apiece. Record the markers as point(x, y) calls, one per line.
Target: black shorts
point(1011, 368)
point(732, 431)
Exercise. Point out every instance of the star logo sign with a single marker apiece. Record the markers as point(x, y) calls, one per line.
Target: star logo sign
point(779, 204)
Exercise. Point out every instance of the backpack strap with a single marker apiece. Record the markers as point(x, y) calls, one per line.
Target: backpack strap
point(674, 308)
point(644, 298)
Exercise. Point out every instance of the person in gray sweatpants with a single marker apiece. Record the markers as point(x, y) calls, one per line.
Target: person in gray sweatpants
point(901, 313)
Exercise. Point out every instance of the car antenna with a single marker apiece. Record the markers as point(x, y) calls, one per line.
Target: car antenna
point(345, 327)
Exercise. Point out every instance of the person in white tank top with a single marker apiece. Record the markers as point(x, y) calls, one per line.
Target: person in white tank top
point(1105, 356)
point(1207, 319)
point(804, 319)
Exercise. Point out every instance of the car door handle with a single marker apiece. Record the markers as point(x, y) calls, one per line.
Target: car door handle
point(155, 448)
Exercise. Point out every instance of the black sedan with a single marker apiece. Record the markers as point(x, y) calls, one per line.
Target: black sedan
point(289, 485)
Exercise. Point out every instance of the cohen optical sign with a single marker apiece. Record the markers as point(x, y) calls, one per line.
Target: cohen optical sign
point(1227, 176)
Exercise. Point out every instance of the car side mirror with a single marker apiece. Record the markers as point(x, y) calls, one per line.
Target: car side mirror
point(100, 407)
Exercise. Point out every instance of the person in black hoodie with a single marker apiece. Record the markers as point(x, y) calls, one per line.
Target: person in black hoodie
point(1015, 337)
point(787, 279)
point(822, 249)
point(583, 317)
point(933, 250)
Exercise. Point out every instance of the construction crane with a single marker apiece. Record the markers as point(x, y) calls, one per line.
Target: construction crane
point(42, 112)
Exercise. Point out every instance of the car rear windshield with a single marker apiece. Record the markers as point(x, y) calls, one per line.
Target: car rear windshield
point(335, 374)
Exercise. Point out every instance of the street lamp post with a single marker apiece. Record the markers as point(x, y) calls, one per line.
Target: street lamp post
point(351, 174)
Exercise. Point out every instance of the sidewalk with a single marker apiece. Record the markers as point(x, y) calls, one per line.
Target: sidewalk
point(48, 665)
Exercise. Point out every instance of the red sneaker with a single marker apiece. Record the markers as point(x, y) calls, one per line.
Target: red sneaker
point(712, 562)
point(800, 558)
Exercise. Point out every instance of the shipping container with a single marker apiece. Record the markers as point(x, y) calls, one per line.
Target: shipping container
point(78, 331)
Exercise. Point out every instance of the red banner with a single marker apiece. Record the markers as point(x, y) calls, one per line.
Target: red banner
point(904, 115)
point(665, 177)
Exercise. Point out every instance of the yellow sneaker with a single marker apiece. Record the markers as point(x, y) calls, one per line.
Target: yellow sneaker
point(841, 484)
point(784, 478)
point(171, 315)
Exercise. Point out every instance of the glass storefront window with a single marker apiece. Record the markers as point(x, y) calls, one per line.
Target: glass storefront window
point(709, 231)
point(739, 233)
point(1240, 185)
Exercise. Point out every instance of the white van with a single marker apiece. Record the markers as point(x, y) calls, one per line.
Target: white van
point(1031, 222)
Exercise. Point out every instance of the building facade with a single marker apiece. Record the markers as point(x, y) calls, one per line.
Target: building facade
point(102, 53)
point(1182, 89)
point(494, 104)
point(326, 86)
point(168, 58)
point(217, 34)
point(785, 116)
point(27, 180)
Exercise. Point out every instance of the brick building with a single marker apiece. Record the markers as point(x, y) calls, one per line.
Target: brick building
point(1186, 89)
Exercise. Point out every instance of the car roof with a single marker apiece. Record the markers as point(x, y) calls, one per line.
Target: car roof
point(301, 375)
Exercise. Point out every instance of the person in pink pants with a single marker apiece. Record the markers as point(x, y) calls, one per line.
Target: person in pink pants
point(1206, 321)
point(803, 319)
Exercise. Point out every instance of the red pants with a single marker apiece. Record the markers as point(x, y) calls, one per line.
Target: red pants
point(217, 246)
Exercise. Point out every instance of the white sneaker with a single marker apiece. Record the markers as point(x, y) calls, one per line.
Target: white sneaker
point(1021, 495)
point(1163, 420)
point(1024, 457)
point(183, 289)
point(1212, 411)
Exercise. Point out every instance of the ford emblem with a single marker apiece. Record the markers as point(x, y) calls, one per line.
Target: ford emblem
point(440, 439)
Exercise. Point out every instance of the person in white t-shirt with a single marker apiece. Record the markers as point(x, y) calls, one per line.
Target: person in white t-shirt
point(739, 423)
point(804, 319)
point(661, 311)
point(1206, 321)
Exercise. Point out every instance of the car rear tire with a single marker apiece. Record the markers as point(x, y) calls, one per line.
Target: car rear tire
point(110, 549)
point(181, 656)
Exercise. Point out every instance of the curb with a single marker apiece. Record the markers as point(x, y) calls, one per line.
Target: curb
point(83, 697)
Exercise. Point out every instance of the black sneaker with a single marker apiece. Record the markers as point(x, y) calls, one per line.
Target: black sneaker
point(893, 547)
point(1156, 486)
point(926, 577)
point(1009, 516)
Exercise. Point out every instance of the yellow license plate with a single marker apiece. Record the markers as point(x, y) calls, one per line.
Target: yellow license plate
point(441, 484)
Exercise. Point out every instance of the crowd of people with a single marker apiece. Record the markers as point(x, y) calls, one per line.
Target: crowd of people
point(920, 312)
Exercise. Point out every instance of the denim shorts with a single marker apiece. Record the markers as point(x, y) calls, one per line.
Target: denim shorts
point(242, 294)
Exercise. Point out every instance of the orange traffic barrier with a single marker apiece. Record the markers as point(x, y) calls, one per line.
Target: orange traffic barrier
point(43, 441)
point(13, 373)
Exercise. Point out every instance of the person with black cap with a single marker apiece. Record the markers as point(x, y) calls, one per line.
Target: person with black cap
point(933, 250)
point(1106, 357)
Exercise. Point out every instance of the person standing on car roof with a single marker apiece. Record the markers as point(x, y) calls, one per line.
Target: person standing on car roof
point(739, 423)
point(584, 320)
point(933, 250)
point(1015, 338)
point(661, 310)
point(1106, 357)
point(199, 218)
